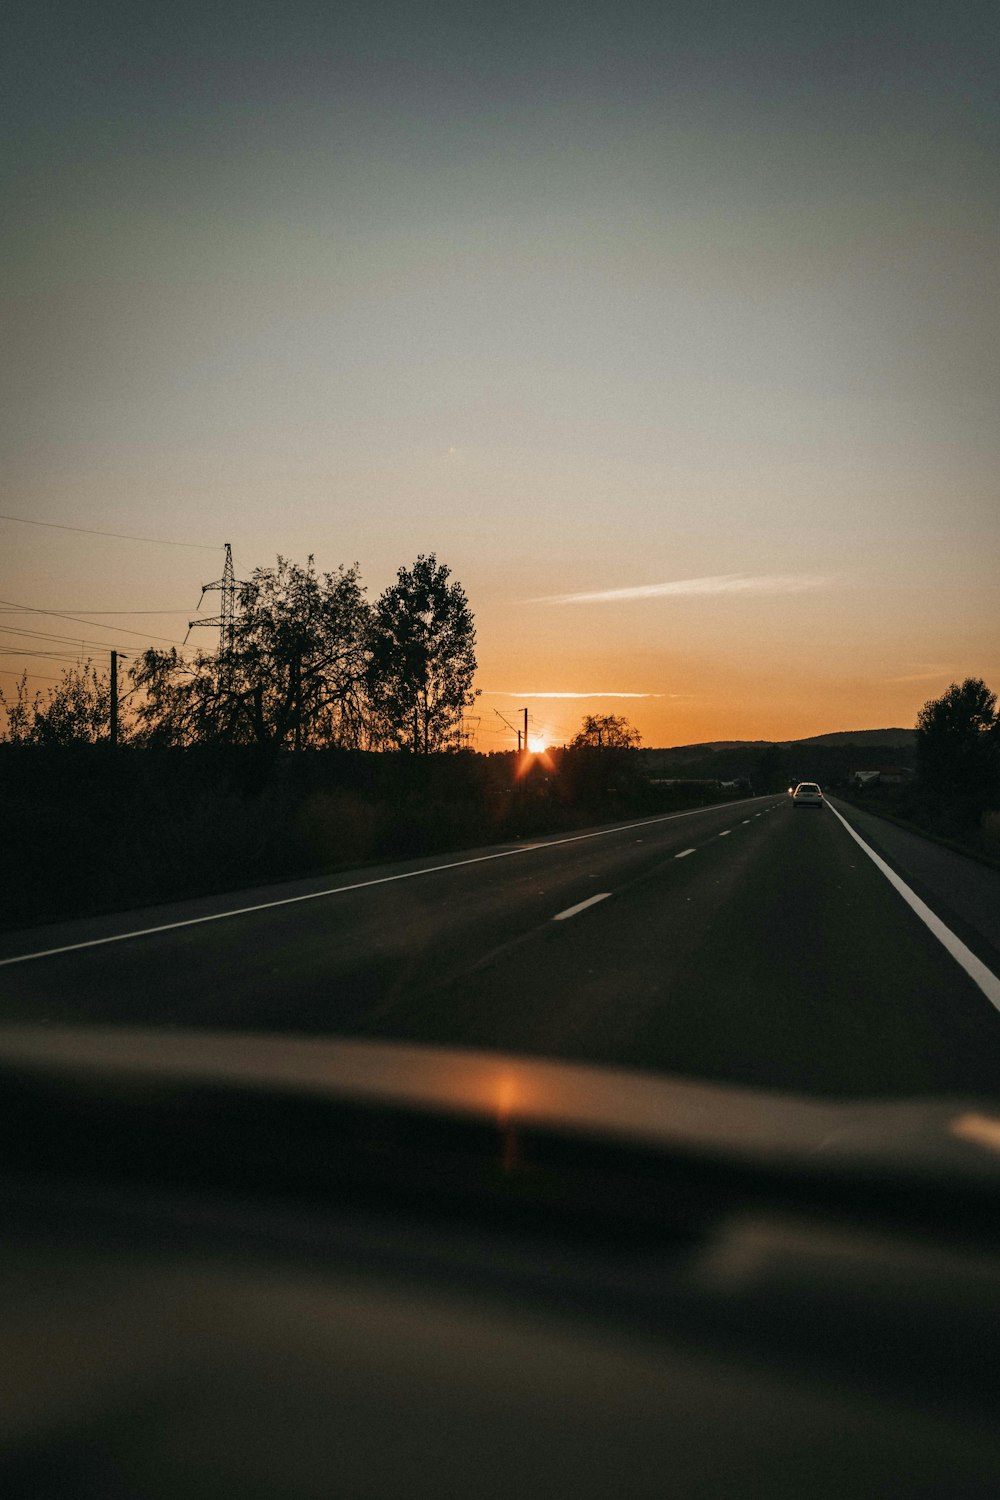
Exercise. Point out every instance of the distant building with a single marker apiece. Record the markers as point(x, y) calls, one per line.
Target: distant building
point(890, 776)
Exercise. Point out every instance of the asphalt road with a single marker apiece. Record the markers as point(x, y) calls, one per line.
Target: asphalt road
point(752, 943)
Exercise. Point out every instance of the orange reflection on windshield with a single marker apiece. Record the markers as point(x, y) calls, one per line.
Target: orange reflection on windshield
point(506, 1100)
point(982, 1130)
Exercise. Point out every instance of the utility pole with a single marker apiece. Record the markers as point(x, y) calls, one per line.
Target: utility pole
point(114, 699)
point(525, 731)
point(113, 736)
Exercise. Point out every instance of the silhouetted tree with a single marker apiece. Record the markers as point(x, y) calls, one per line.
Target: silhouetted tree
point(770, 772)
point(422, 643)
point(295, 675)
point(77, 711)
point(958, 747)
point(606, 731)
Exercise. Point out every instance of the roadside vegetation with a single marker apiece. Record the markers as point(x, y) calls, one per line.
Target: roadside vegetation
point(88, 829)
point(955, 794)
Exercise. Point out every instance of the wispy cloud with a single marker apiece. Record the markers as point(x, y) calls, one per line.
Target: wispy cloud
point(719, 583)
point(499, 693)
point(927, 676)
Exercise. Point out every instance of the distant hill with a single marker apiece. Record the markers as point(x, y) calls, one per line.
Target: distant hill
point(721, 745)
point(872, 737)
point(681, 754)
point(858, 737)
point(826, 758)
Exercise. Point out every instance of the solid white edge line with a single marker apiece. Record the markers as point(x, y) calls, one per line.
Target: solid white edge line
point(571, 911)
point(977, 971)
point(361, 885)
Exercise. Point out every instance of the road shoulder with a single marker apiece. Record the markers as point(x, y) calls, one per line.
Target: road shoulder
point(964, 893)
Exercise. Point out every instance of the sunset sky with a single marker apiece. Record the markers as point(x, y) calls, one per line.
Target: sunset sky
point(673, 329)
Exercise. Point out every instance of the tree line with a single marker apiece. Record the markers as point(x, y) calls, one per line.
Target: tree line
point(308, 662)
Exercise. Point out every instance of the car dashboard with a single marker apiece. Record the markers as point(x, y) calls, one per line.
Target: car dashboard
point(276, 1267)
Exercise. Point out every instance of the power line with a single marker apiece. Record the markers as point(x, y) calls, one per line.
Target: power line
point(45, 635)
point(548, 724)
point(34, 676)
point(46, 655)
point(121, 536)
point(119, 629)
point(26, 609)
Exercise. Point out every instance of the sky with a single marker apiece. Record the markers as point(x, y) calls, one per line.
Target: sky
point(673, 329)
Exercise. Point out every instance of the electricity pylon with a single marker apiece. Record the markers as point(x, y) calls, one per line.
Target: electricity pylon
point(226, 619)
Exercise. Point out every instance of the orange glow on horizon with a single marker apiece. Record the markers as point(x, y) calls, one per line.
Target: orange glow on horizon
point(799, 685)
point(533, 758)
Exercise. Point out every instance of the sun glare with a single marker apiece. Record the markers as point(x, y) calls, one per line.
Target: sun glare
point(536, 744)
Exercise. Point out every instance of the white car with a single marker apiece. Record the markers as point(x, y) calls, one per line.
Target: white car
point(807, 794)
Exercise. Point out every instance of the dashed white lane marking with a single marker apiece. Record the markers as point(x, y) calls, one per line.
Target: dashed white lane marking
point(684, 854)
point(745, 822)
point(340, 890)
point(571, 911)
point(725, 833)
point(973, 966)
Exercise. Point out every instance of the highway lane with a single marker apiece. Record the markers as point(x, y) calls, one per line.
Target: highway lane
point(319, 955)
point(751, 942)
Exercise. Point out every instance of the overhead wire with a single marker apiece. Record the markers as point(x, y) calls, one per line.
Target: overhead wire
point(548, 724)
point(44, 635)
point(35, 676)
point(28, 609)
point(84, 646)
point(143, 635)
point(122, 536)
point(46, 655)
